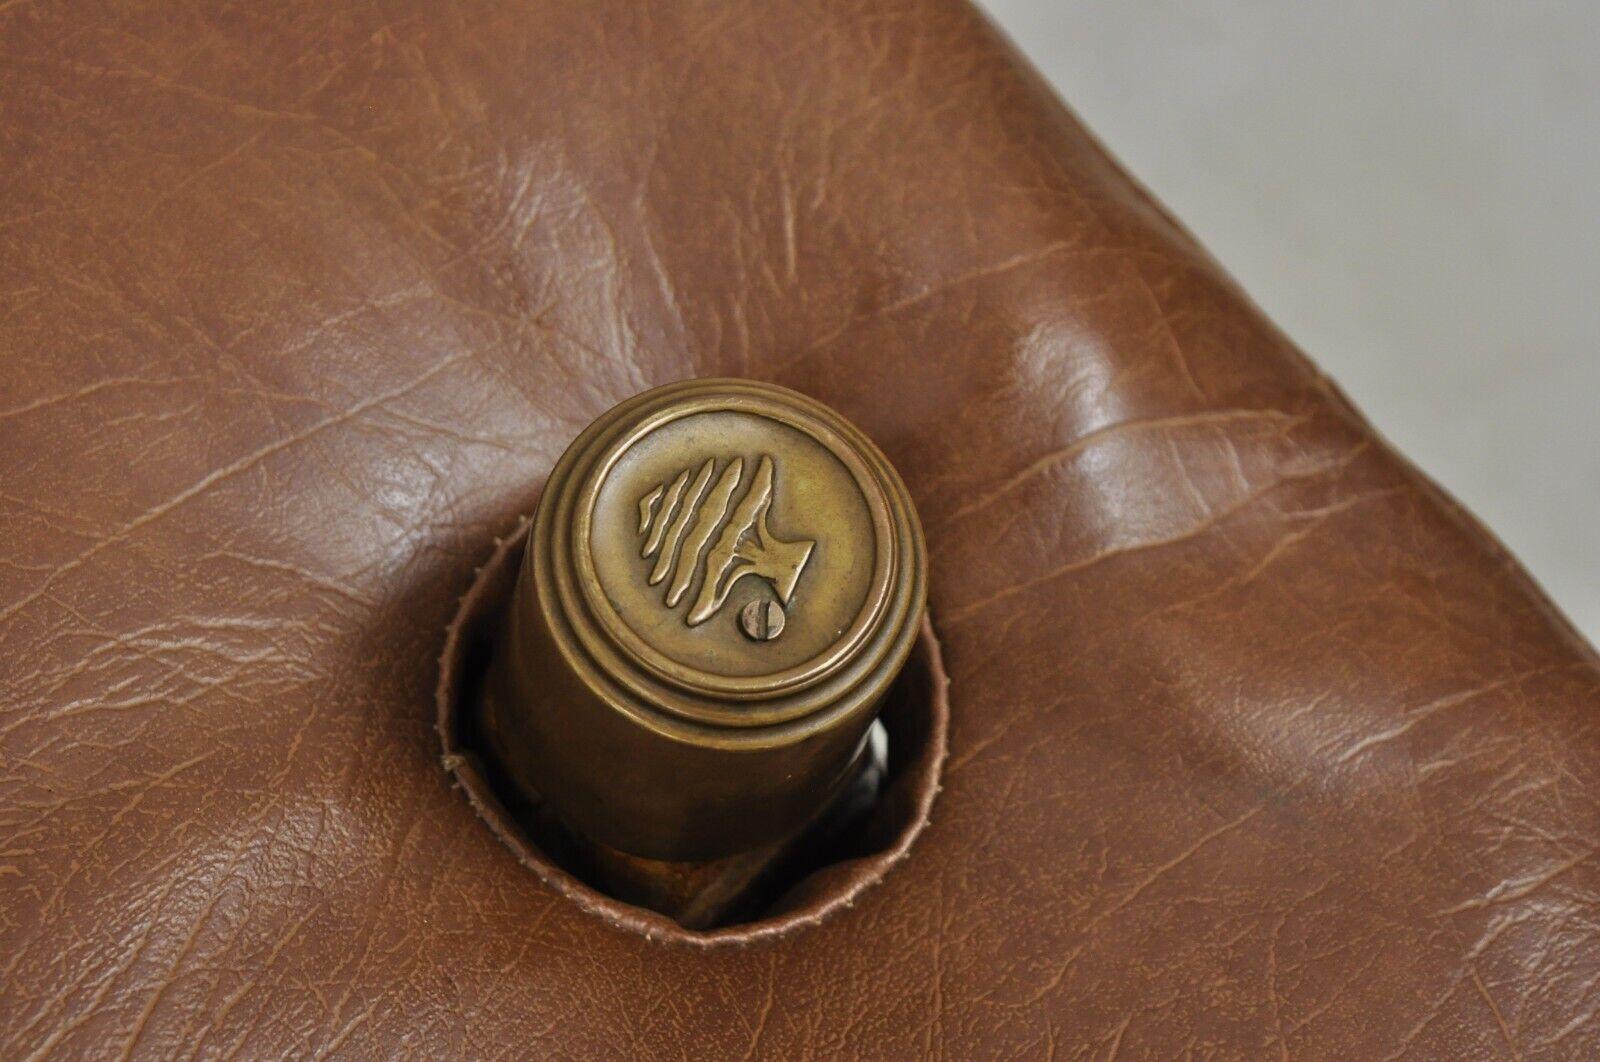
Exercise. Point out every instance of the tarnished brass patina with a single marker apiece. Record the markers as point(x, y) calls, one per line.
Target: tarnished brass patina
point(722, 580)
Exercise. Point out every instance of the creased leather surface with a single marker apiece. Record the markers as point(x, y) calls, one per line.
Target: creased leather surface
point(1259, 745)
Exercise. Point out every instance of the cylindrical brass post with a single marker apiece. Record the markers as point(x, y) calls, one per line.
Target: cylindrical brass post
point(722, 580)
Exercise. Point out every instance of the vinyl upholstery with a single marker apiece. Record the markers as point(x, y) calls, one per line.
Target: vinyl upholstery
point(1259, 745)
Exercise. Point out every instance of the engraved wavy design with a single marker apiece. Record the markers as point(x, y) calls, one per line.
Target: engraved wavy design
point(686, 527)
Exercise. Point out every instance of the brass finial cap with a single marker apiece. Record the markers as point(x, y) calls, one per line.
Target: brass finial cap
point(722, 580)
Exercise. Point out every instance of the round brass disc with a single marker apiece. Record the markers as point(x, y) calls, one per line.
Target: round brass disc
point(720, 501)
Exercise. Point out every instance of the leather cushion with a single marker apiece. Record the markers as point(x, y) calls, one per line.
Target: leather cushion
point(1258, 742)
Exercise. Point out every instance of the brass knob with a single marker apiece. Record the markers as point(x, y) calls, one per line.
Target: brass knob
point(722, 580)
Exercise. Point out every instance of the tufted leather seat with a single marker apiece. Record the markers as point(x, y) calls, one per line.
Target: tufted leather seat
point(1259, 743)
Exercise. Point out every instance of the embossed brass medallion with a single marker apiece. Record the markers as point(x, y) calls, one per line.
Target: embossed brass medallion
point(723, 578)
point(743, 544)
point(752, 484)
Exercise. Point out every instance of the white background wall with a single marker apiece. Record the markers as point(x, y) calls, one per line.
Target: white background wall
point(1412, 190)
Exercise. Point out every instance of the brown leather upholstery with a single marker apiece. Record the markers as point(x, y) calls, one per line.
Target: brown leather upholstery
point(1259, 743)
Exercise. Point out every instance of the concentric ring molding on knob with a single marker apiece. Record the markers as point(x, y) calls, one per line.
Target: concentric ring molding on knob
point(628, 689)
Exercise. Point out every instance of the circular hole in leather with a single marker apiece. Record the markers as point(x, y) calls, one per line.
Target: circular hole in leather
point(915, 714)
